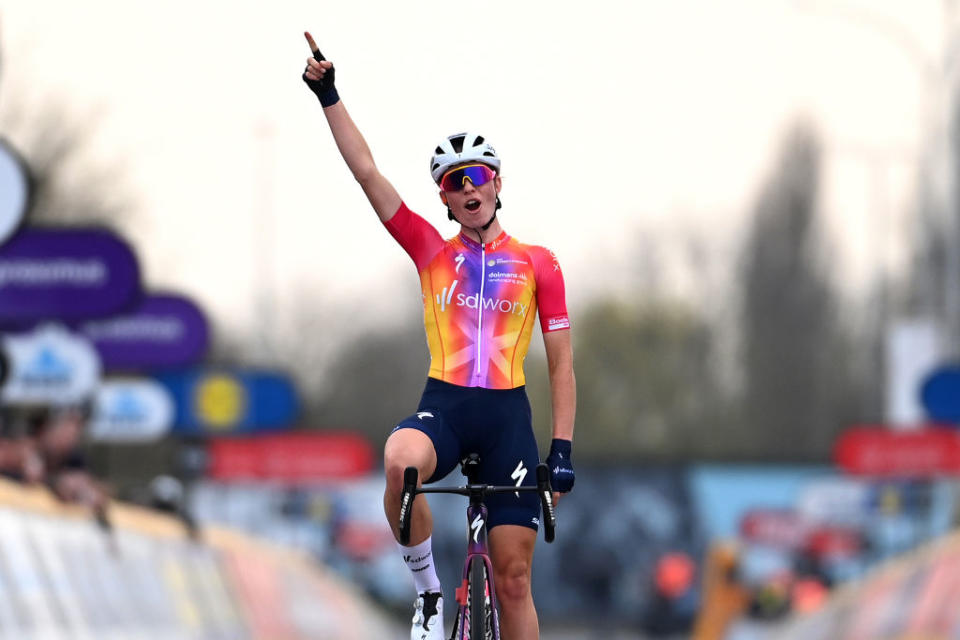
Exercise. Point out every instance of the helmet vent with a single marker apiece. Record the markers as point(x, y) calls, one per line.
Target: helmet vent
point(462, 148)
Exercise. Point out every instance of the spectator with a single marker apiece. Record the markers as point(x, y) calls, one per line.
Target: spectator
point(167, 495)
point(59, 445)
point(20, 458)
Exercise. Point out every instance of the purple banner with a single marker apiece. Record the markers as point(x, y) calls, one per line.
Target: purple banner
point(162, 331)
point(66, 274)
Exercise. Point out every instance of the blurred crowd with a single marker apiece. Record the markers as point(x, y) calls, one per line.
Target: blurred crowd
point(44, 446)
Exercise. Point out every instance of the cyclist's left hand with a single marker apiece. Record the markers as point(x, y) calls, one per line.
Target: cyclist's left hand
point(560, 462)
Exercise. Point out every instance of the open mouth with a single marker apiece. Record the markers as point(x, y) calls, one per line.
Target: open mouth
point(472, 205)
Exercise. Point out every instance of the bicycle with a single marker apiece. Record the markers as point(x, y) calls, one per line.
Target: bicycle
point(476, 592)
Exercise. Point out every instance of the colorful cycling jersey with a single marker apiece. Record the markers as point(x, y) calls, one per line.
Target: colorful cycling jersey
point(479, 301)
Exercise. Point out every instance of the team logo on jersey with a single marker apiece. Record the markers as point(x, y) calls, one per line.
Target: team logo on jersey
point(493, 304)
point(444, 297)
point(459, 260)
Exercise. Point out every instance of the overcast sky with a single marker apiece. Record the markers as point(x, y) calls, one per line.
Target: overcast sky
point(612, 118)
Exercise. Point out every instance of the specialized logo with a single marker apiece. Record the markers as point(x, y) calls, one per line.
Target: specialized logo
point(444, 297)
point(475, 526)
point(424, 414)
point(519, 474)
point(459, 260)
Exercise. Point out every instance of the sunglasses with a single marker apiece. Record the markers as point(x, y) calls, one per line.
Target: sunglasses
point(478, 174)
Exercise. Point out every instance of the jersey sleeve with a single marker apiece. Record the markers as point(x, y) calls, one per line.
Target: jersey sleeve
point(551, 295)
point(418, 237)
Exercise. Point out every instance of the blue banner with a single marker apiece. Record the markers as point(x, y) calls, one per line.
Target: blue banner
point(225, 402)
point(940, 394)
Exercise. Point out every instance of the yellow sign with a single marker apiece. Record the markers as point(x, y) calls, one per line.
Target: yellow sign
point(220, 401)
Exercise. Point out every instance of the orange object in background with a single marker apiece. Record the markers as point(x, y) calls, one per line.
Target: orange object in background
point(724, 598)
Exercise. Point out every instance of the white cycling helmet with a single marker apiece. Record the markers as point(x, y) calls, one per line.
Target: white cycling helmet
point(460, 148)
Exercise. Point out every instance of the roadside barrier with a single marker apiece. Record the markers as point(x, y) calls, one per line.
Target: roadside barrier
point(63, 575)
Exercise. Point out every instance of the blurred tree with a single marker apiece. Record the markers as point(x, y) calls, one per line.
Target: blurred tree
point(55, 137)
point(67, 187)
point(374, 382)
point(646, 385)
point(798, 387)
point(934, 284)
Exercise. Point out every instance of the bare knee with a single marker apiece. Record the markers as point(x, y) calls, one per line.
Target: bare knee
point(407, 448)
point(512, 581)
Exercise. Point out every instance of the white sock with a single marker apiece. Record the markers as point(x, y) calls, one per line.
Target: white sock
point(419, 559)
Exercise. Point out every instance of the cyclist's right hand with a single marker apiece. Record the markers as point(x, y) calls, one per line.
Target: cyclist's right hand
point(319, 74)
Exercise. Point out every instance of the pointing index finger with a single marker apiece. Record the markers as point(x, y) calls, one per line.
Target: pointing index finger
point(313, 46)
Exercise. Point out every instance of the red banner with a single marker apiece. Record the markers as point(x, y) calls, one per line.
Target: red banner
point(291, 457)
point(881, 452)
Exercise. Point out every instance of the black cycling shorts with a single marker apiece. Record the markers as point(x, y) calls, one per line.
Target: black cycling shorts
point(496, 424)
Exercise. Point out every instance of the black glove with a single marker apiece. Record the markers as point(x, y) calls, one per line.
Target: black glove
point(561, 465)
point(324, 89)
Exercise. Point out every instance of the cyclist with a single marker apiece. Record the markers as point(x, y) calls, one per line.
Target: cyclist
point(481, 291)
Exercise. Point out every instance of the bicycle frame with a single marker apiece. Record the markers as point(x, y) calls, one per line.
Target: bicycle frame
point(477, 549)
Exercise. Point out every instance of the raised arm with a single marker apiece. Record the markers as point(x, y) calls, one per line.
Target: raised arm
point(319, 76)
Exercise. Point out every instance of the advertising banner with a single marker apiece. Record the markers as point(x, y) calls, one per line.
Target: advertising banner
point(66, 274)
point(940, 394)
point(134, 410)
point(49, 366)
point(882, 452)
point(162, 331)
point(14, 190)
point(291, 457)
point(222, 402)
